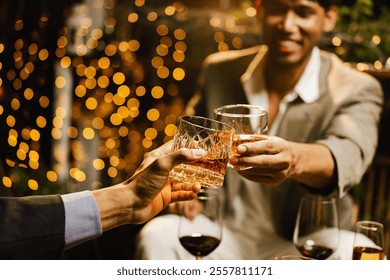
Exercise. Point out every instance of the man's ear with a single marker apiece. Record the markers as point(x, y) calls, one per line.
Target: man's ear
point(331, 16)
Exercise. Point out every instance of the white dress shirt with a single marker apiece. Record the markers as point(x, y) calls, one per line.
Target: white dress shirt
point(307, 87)
point(82, 218)
point(249, 208)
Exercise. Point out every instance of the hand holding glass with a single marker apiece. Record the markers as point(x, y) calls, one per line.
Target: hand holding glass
point(250, 122)
point(215, 138)
point(368, 243)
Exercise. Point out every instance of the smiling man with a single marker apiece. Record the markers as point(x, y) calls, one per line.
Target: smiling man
point(323, 127)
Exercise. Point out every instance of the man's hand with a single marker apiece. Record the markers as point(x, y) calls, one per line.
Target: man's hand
point(152, 188)
point(272, 160)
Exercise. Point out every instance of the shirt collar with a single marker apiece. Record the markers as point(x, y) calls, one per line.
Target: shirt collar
point(307, 87)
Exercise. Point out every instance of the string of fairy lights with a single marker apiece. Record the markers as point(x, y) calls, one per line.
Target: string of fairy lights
point(108, 106)
point(81, 115)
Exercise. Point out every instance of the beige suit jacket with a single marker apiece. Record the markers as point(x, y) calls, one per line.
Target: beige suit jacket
point(344, 118)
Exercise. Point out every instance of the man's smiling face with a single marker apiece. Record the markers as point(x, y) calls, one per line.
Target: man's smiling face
point(291, 28)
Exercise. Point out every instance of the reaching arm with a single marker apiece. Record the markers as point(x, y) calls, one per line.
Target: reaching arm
point(275, 159)
point(148, 191)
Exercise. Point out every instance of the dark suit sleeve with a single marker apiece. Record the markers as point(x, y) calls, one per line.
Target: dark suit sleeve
point(32, 227)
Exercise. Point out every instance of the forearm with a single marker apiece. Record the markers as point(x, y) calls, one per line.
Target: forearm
point(114, 204)
point(314, 165)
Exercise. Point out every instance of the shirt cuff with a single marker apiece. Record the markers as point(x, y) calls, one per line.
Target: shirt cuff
point(82, 218)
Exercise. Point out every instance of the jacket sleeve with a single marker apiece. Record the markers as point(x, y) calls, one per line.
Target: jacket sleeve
point(352, 136)
point(32, 227)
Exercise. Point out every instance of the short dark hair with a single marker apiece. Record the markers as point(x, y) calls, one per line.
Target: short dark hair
point(327, 3)
point(324, 3)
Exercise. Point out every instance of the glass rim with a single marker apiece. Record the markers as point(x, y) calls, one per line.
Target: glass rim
point(262, 112)
point(185, 118)
point(366, 224)
point(322, 199)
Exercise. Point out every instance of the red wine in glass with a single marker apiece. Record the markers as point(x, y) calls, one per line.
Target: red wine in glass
point(316, 233)
point(200, 227)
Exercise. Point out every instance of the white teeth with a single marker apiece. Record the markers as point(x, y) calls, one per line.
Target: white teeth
point(288, 43)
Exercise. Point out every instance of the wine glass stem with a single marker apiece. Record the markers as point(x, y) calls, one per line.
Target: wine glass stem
point(198, 258)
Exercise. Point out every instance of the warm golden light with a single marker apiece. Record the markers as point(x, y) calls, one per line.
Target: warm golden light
point(44, 101)
point(80, 90)
point(43, 54)
point(162, 30)
point(88, 133)
point(163, 72)
point(123, 112)
point(251, 12)
point(336, 41)
point(98, 164)
point(157, 92)
point(15, 104)
point(65, 62)
point(151, 133)
point(179, 34)
point(72, 132)
point(91, 103)
point(10, 120)
point(35, 135)
point(112, 89)
point(153, 114)
point(33, 155)
point(162, 50)
point(110, 50)
point(116, 119)
point(41, 121)
point(7, 182)
point(178, 74)
point(157, 62)
point(378, 65)
point(140, 91)
point(119, 78)
point(170, 130)
point(104, 62)
point(32, 184)
point(98, 123)
point(51, 176)
point(60, 82)
point(133, 45)
point(103, 81)
point(181, 46)
point(376, 39)
point(132, 18)
point(178, 56)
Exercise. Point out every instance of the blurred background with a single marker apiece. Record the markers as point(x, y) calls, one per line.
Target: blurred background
point(87, 87)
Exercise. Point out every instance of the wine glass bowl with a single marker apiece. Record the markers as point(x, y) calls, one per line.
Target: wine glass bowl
point(368, 242)
point(316, 233)
point(200, 225)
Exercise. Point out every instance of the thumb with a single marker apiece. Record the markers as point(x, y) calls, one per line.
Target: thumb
point(183, 155)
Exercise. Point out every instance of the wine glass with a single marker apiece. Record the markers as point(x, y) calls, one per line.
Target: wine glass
point(250, 123)
point(317, 231)
point(200, 225)
point(368, 243)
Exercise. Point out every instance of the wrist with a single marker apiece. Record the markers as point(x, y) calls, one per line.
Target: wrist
point(115, 205)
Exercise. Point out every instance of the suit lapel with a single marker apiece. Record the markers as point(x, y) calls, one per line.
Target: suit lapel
point(299, 112)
